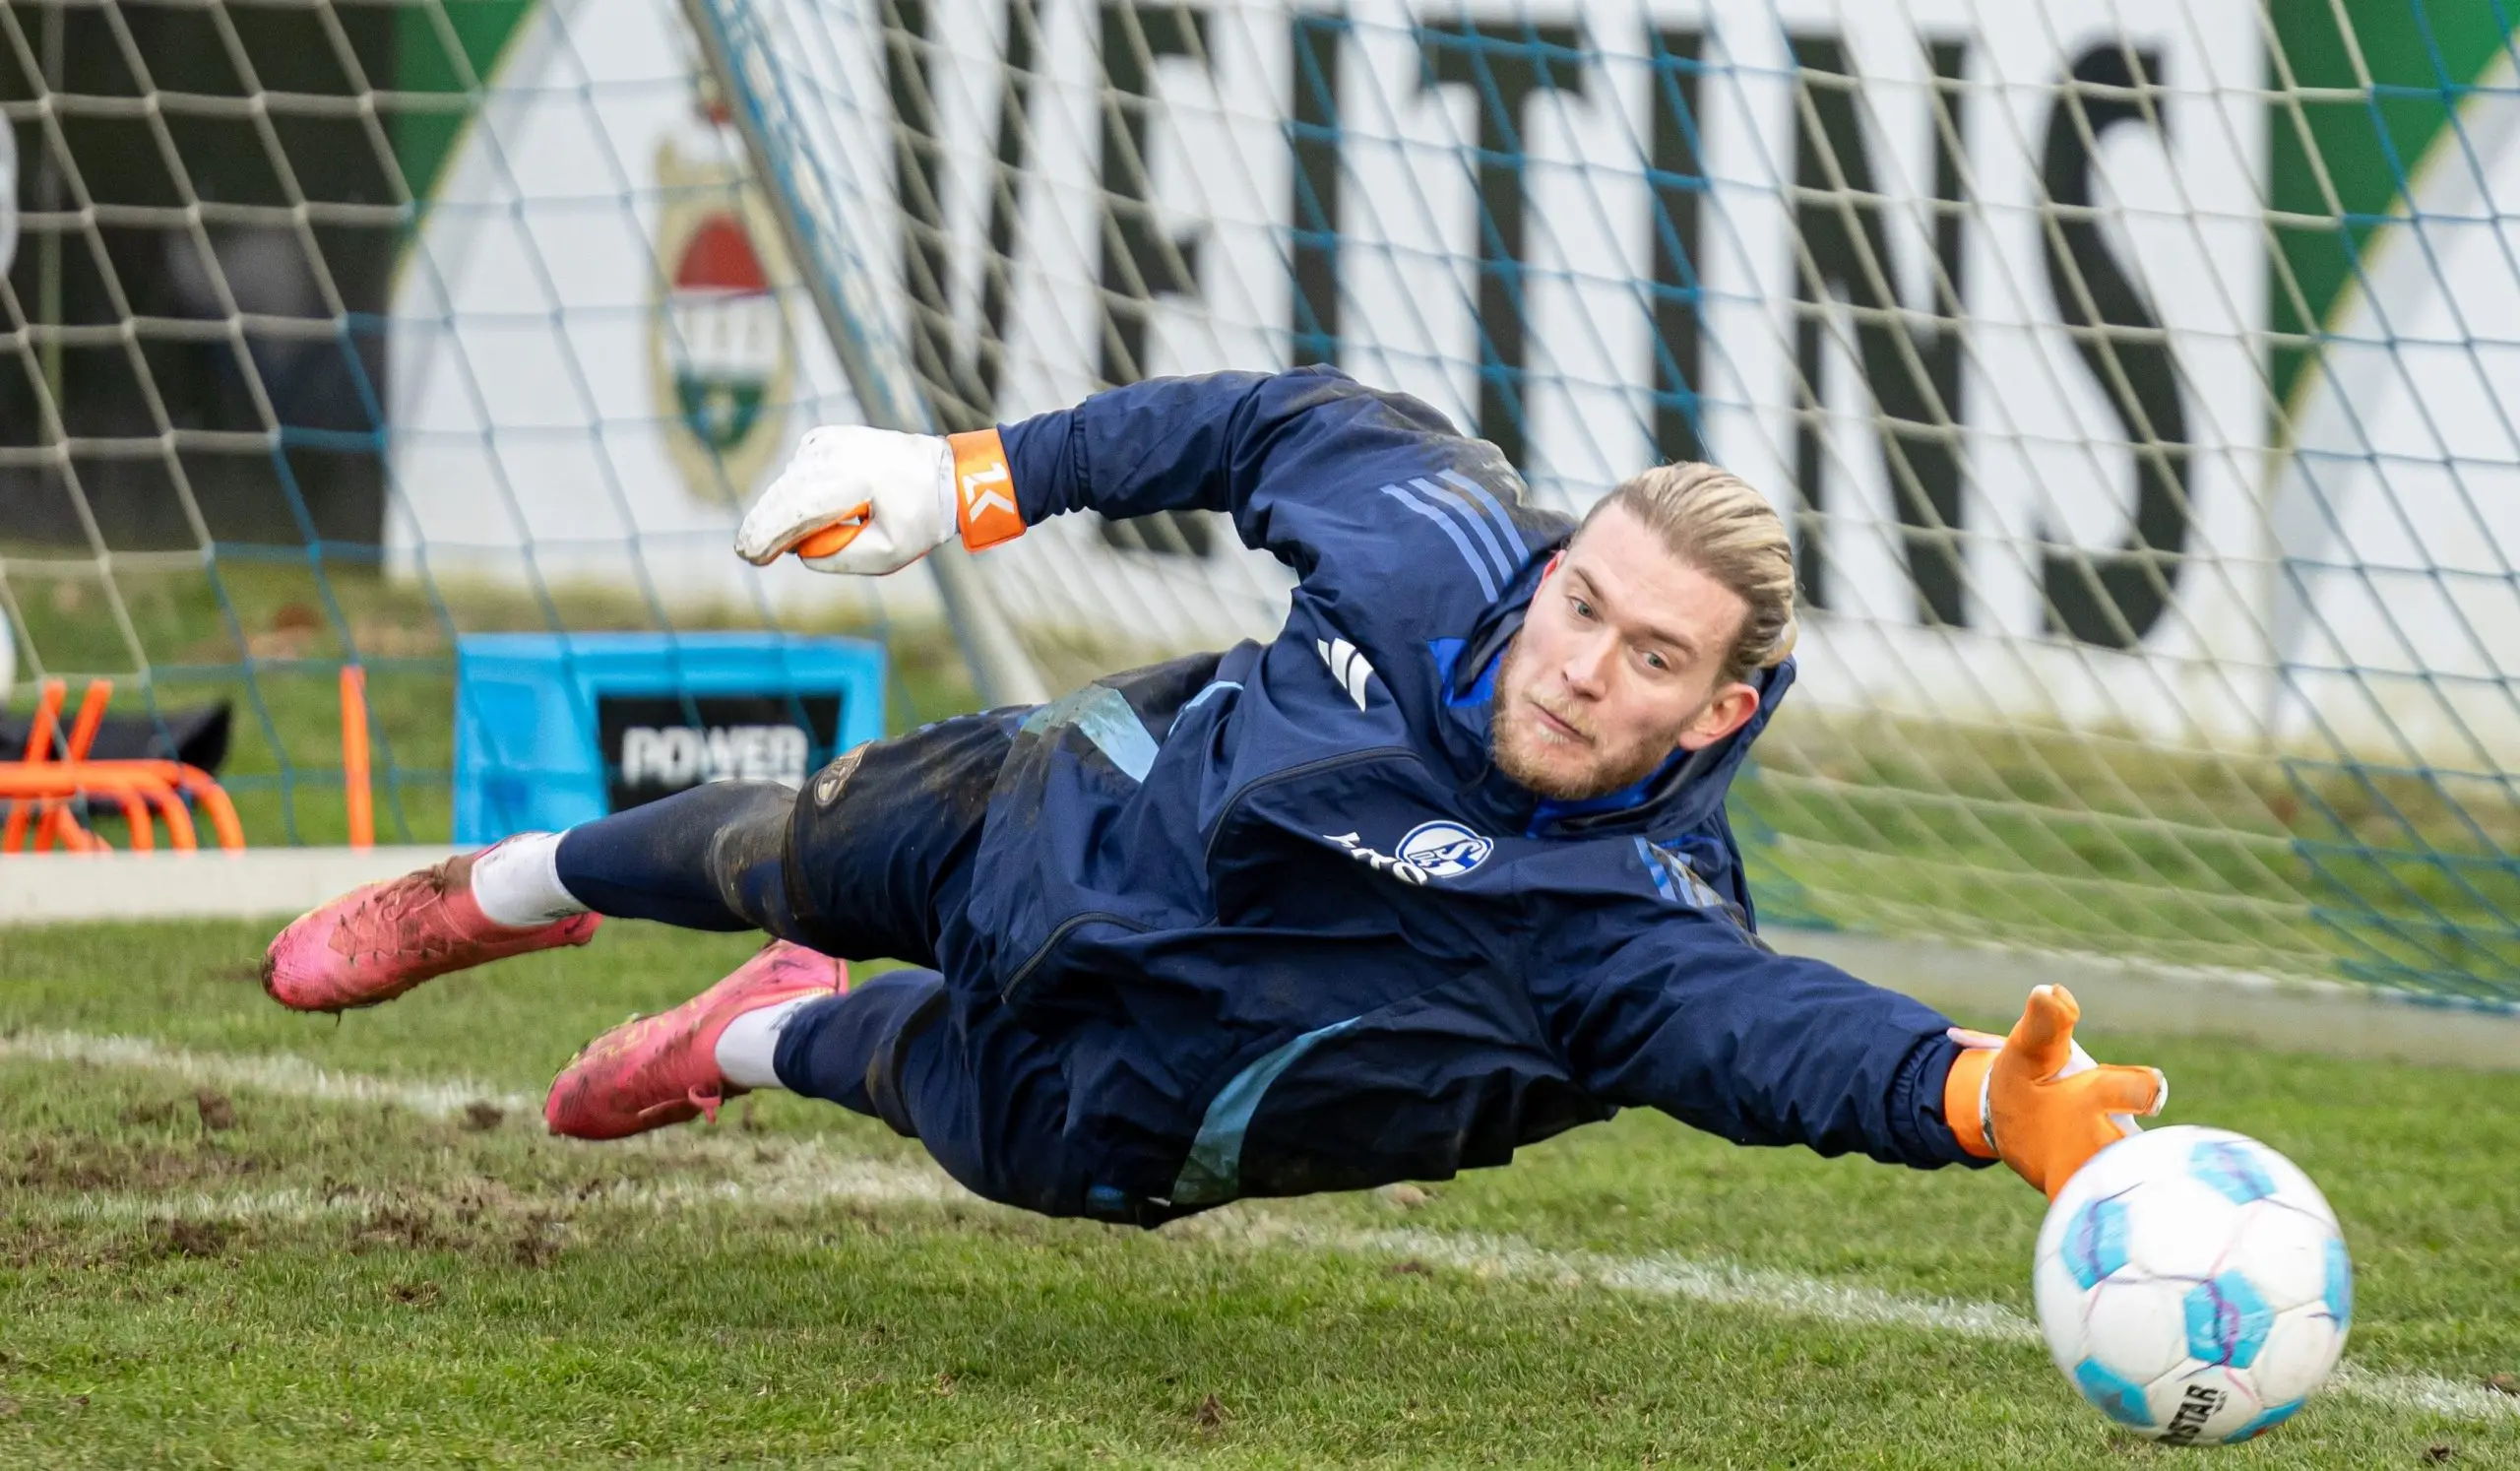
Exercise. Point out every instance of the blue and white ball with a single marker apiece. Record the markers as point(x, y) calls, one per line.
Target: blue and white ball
point(2193, 1284)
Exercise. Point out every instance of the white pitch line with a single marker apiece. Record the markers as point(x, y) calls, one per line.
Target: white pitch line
point(2424, 1393)
point(1660, 1275)
point(279, 1073)
point(807, 1174)
point(290, 1204)
point(801, 1174)
point(1727, 1284)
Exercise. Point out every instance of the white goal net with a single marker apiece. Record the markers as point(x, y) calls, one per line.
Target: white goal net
point(2136, 379)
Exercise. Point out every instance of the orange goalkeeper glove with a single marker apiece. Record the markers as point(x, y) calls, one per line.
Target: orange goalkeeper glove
point(2036, 1101)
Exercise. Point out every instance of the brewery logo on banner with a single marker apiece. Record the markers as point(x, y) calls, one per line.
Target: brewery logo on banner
point(722, 353)
point(658, 744)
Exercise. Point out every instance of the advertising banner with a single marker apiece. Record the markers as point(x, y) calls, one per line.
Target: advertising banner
point(554, 730)
point(2018, 314)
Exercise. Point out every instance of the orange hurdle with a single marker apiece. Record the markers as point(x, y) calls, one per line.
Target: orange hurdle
point(133, 791)
point(135, 786)
point(55, 822)
point(145, 790)
point(192, 782)
point(47, 719)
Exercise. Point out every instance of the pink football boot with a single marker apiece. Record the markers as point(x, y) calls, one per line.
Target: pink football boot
point(378, 941)
point(654, 1070)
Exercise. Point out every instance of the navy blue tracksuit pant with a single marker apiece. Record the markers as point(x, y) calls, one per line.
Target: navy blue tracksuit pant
point(867, 861)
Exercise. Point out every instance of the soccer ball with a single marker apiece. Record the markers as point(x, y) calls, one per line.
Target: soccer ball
point(2193, 1284)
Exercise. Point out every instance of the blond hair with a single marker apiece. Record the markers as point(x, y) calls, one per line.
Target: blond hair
point(1711, 519)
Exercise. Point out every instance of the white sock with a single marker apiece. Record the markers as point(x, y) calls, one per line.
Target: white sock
point(749, 1043)
point(517, 883)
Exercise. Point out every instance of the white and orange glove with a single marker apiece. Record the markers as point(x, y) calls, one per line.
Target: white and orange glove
point(870, 501)
point(2036, 1101)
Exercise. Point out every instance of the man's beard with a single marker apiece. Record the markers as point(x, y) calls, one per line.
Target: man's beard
point(1519, 754)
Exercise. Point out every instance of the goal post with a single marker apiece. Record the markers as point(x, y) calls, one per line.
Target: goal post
point(815, 207)
point(2137, 382)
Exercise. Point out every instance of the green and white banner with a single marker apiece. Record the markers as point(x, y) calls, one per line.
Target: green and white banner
point(2147, 369)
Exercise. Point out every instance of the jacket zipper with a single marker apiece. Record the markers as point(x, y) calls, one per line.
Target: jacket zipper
point(1319, 763)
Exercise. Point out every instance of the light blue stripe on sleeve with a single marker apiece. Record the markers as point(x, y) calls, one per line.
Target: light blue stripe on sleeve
point(1460, 544)
point(1479, 493)
point(1470, 513)
point(1213, 1174)
point(1104, 716)
point(1214, 687)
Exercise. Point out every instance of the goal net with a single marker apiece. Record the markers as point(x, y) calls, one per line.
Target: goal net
point(2134, 379)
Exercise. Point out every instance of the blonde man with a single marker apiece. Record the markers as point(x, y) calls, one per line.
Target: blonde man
point(1441, 870)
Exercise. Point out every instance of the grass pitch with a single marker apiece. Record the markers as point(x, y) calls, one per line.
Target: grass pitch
point(237, 1237)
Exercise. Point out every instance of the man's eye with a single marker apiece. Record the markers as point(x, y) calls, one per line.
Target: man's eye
point(1583, 610)
point(1657, 662)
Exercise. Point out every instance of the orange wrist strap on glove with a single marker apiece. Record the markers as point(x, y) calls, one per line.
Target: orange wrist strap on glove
point(2036, 1101)
point(984, 490)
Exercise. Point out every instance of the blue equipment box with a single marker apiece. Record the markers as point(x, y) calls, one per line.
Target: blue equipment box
point(552, 729)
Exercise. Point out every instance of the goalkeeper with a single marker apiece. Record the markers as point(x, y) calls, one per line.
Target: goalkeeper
point(1441, 870)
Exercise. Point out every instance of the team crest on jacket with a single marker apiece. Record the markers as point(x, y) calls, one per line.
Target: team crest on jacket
point(1445, 850)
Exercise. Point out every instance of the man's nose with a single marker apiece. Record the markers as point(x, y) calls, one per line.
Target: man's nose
point(1587, 667)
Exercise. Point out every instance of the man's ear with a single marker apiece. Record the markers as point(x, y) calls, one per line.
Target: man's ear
point(1730, 710)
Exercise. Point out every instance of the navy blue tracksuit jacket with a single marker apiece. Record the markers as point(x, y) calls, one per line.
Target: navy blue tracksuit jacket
point(1290, 927)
